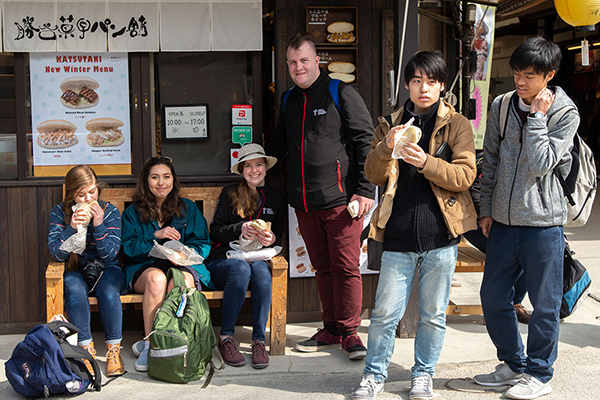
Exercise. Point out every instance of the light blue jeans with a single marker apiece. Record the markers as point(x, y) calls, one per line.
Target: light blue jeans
point(435, 269)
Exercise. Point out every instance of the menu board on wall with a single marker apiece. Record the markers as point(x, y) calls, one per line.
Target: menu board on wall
point(332, 25)
point(340, 63)
point(80, 112)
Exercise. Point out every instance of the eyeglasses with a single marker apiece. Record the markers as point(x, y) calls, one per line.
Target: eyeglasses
point(157, 159)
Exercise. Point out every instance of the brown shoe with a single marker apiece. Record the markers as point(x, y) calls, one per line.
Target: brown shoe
point(114, 362)
point(522, 315)
point(92, 350)
point(260, 358)
point(230, 352)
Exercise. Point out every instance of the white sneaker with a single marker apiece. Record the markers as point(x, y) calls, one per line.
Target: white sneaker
point(503, 375)
point(368, 389)
point(421, 387)
point(528, 387)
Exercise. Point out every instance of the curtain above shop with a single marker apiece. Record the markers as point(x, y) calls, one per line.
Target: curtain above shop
point(148, 26)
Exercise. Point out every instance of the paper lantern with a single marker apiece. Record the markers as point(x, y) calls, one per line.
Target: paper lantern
point(578, 12)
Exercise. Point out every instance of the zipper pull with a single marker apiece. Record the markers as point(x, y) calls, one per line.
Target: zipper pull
point(185, 359)
point(182, 304)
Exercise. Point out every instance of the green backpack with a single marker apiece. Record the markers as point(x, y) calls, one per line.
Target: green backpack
point(182, 336)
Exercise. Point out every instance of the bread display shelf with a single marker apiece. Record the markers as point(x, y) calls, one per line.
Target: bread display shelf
point(318, 19)
point(329, 55)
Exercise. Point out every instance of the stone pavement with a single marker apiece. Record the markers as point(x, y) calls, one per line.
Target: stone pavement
point(330, 375)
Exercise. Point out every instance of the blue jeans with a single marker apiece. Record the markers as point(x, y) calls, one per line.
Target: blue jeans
point(235, 277)
point(476, 238)
point(435, 269)
point(108, 291)
point(539, 252)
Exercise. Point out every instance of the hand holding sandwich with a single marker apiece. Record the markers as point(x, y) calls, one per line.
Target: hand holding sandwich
point(259, 229)
point(86, 213)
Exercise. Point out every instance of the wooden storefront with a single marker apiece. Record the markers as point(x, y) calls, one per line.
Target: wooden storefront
point(26, 201)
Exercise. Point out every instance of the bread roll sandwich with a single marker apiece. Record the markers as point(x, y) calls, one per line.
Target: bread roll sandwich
point(342, 70)
point(410, 134)
point(261, 226)
point(79, 92)
point(340, 32)
point(86, 207)
point(346, 78)
point(56, 134)
point(104, 132)
point(342, 67)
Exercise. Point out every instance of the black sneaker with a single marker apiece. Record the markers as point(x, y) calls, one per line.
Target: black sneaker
point(322, 340)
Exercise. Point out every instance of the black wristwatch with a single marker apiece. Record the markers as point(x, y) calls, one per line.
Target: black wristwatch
point(537, 114)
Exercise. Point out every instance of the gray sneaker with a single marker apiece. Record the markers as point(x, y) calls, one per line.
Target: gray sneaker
point(503, 375)
point(528, 388)
point(368, 389)
point(421, 387)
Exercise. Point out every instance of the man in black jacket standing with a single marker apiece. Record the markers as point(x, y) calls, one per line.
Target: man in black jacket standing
point(326, 148)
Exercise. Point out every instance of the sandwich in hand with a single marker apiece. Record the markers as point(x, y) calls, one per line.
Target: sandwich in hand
point(79, 92)
point(56, 134)
point(86, 207)
point(410, 134)
point(344, 71)
point(104, 132)
point(261, 226)
point(340, 32)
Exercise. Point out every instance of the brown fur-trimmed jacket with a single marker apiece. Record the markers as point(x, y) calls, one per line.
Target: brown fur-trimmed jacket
point(449, 181)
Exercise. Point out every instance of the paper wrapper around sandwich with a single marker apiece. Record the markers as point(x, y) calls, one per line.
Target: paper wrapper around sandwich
point(408, 133)
point(176, 252)
point(76, 243)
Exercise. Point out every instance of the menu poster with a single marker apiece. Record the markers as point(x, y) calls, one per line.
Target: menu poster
point(80, 112)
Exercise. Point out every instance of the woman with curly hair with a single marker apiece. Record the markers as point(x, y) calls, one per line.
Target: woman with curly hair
point(160, 214)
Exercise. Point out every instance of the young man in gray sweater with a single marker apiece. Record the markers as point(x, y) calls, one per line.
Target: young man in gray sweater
point(523, 210)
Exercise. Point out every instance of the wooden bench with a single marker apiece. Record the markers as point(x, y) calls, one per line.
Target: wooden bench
point(206, 198)
point(469, 260)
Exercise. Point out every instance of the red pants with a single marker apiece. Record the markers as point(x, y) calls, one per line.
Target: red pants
point(332, 239)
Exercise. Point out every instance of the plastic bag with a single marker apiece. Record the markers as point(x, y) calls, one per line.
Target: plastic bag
point(401, 140)
point(176, 252)
point(76, 243)
point(246, 244)
point(252, 256)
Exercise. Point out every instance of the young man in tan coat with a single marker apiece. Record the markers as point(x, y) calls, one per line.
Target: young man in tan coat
point(424, 210)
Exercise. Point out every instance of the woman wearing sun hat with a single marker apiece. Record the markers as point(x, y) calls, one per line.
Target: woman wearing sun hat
point(240, 204)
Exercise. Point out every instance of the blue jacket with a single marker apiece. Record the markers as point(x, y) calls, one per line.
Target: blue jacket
point(138, 239)
point(103, 241)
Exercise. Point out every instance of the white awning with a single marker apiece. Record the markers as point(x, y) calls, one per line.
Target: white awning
point(136, 25)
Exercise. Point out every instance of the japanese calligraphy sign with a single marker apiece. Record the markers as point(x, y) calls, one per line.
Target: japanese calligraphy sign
point(79, 26)
point(80, 112)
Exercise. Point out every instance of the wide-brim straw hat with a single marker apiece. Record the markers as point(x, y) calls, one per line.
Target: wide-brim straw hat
point(251, 151)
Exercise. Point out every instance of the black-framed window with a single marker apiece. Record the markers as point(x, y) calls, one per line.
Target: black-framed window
point(218, 79)
point(16, 119)
point(8, 118)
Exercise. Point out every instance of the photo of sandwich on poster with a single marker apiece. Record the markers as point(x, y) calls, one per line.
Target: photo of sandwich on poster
point(56, 134)
point(104, 132)
point(79, 92)
point(340, 32)
point(344, 71)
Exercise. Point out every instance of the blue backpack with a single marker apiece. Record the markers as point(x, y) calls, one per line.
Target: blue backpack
point(44, 363)
point(333, 91)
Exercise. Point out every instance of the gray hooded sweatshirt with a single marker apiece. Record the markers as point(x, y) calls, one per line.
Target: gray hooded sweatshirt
point(518, 186)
